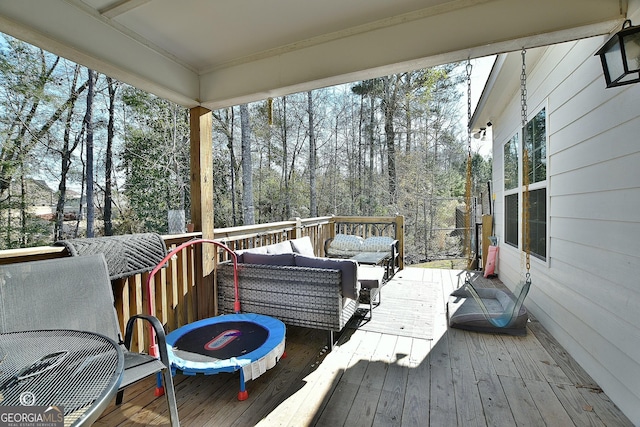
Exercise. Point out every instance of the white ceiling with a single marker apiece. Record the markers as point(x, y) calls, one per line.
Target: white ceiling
point(218, 53)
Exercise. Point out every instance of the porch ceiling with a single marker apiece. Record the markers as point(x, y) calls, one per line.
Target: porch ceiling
point(221, 53)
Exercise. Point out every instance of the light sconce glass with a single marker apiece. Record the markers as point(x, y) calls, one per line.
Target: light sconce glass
point(620, 56)
point(481, 134)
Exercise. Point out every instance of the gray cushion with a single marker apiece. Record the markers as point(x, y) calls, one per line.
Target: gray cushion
point(348, 268)
point(303, 246)
point(461, 292)
point(268, 259)
point(345, 245)
point(258, 250)
point(377, 244)
point(280, 248)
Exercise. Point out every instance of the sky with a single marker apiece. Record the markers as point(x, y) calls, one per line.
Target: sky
point(481, 67)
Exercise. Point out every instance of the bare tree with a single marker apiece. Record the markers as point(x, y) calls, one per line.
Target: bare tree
point(313, 198)
point(285, 161)
point(88, 122)
point(69, 145)
point(108, 168)
point(224, 122)
point(247, 168)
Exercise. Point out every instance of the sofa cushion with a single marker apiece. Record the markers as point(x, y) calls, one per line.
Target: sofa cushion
point(377, 244)
point(258, 250)
point(279, 248)
point(268, 259)
point(345, 244)
point(347, 267)
point(302, 246)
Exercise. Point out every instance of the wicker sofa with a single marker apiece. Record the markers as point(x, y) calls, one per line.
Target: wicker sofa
point(287, 282)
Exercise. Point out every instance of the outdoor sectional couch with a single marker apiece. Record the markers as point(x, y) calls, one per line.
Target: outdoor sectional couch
point(286, 281)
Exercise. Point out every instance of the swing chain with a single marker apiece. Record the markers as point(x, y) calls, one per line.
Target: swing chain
point(469, 68)
point(467, 218)
point(525, 168)
point(523, 90)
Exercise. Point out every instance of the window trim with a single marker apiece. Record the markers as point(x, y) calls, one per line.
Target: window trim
point(519, 189)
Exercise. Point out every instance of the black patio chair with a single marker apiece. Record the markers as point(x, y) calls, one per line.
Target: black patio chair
point(75, 293)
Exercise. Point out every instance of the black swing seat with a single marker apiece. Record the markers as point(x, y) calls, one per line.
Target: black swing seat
point(464, 311)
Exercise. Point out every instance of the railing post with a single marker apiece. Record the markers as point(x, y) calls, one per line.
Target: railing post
point(332, 233)
point(332, 227)
point(400, 238)
point(202, 206)
point(297, 230)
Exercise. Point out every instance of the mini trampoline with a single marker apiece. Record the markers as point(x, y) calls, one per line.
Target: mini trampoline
point(246, 342)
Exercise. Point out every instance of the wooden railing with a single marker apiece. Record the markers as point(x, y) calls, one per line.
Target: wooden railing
point(175, 288)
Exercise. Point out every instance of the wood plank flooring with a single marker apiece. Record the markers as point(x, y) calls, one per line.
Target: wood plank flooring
point(457, 378)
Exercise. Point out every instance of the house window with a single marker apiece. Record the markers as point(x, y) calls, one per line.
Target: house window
point(511, 188)
point(511, 219)
point(536, 146)
point(511, 164)
point(538, 222)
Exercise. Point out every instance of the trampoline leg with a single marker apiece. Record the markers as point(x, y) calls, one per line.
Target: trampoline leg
point(331, 340)
point(159, 386)
point(242, 394)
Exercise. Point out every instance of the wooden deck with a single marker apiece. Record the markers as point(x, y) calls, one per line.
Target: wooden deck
point(389, 378)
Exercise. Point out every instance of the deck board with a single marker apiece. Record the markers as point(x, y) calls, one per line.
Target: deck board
point(465, 385)
point(373, 378)
point(417, 397)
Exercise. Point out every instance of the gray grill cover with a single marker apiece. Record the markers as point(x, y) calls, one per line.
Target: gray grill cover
point(126, 255)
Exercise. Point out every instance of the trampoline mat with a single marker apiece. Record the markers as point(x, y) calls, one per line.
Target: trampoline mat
point(222, 340)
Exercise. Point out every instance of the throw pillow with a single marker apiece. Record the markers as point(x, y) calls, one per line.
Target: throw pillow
point(258, 250)
point(345, 245)
point(279, 248)
point(302, 246)
point(377, 244)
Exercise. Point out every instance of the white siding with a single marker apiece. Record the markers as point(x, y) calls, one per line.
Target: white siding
point(587, 293)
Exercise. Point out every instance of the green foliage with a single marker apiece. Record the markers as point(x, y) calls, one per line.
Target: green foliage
point(155, 161)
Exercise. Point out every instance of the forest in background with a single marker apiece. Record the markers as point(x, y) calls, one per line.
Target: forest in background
point(386, 146)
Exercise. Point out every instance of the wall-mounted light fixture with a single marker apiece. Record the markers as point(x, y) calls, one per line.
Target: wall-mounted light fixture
point(620, 56)
point(481, 134)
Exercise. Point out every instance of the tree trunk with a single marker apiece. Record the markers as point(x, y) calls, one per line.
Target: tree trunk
point(313, 197)
point(88, 121)
point(234, 167)
point(388, 109)
point(247, 169)
point(360, 156)
point(285, 160)
point(408, 115)
point(108, 168)
point(65, 158)
point(372, 124)
point(23, 206)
